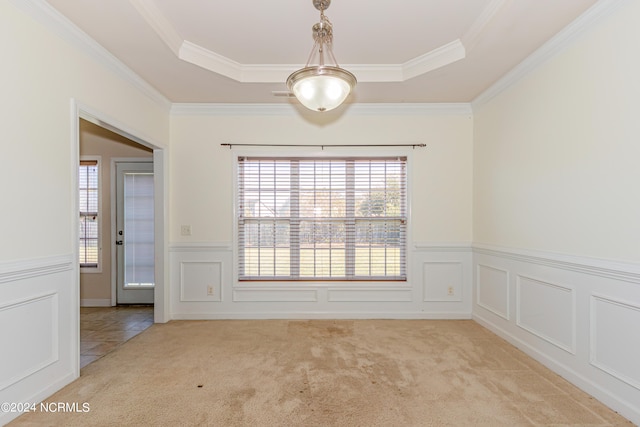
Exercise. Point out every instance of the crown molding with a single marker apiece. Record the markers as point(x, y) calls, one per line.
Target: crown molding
point(43, 12)
point(275, 73)
point(471, 37)
point(437, 58)
point(551, 48)
point(366, 73)
point(435, 109)
point(161, 25)
point(197, 55)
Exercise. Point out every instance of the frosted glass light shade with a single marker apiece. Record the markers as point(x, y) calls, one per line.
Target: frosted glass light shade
point(321, 88)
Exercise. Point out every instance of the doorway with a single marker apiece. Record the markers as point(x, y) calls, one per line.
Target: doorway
point(157, 154)
point(160, 310)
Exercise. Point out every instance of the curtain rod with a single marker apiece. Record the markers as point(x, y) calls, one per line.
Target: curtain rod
point(323, 145)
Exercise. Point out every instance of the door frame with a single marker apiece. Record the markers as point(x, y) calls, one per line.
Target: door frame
point(161, 198)
point(114, 215)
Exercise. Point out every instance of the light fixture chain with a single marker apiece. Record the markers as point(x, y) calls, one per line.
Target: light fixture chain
point(314, 49)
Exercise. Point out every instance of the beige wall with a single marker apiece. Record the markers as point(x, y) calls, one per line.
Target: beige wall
point(48, 74)
point(42, 74)
point(556, 155)
point(95, 140)
point(202, 171)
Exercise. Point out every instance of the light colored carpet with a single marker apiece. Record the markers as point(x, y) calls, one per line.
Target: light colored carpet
point(321, 373)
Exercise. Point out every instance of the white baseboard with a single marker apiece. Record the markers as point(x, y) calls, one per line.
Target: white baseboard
point(95, 302)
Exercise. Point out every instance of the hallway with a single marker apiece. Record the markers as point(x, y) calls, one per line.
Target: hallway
point(102, 329)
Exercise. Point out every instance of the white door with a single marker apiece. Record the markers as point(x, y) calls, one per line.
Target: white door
point(134, 232)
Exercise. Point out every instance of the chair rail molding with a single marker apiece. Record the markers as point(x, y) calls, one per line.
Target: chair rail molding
point(628, 272)
point(30, 268)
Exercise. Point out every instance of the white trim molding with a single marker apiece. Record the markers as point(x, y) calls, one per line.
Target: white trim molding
point(193, 53)
point(95, 302)
point(213, 293)
point(31, 268)
point(418, 109)
point(498, 290)
point(540, 303)
point(199, 246)
point(627, 272)
point(46, 350)
point(617, 357)
point(38, 295)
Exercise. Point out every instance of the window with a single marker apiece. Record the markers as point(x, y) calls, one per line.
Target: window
point(139, 238)
point(88, 179)
point(322, 219)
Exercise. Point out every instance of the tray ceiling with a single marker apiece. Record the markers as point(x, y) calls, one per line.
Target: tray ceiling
point(405, 51)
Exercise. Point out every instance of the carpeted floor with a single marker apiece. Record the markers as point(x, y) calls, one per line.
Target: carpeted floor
point(320, 373)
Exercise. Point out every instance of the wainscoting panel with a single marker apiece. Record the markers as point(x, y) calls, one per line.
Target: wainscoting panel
point(201, 281)
point(274, 295)
point(493, 290)
point(29, 328)
point(442, 281)
point(39, 317)
point(203, 286)
point(578, 316)
point(547, 310)
point(362, 295)
point(615, 338)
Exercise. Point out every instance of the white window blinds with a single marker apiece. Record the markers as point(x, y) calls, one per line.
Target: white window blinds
point(138, 230)
point(89, 191)
point(322, 219)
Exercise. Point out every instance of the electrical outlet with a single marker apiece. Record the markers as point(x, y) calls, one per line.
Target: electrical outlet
point(185, 230)
point(450, 291)
point(210, 290)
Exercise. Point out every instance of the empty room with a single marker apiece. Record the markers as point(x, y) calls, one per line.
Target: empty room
point(434, 220)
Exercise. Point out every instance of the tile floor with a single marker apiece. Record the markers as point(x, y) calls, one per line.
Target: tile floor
point(102, 329)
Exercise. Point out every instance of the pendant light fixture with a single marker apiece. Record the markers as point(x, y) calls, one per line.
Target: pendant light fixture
point(321, 87)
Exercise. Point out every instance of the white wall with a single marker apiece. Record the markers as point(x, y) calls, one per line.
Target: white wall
point(556, 156)
point(41, 74)
point(202, 197)
point(556, 230)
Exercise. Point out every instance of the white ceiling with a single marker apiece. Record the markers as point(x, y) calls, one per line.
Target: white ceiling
point(241, 51)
